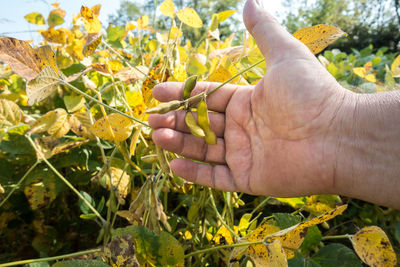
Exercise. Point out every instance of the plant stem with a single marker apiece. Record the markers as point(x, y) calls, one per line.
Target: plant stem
point(19, 183)
point(126, 62)
point(205, 94)
point(224, 246)
point(219, 215)
point(261, 205)
point(65, 180)
point(234, 77)
point(336, 237)
point(75, 254)
point(103, 104)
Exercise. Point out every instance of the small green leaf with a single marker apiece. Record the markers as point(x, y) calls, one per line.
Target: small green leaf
point(397, 231)
point(171, 251)
point(74, 102)
point(311, 240)
point(115, 33)
point(82, 205)
point(286, 220)
point(54, 20)
point(35, 18)
point(336, 254)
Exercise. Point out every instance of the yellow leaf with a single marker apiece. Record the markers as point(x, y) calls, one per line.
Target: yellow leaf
point(42, 86)
point(46, 121)
point(56, 17)
point(318, 204)
point(142, 22)
point(395, 64)
point(359, 71)
point(270, 254)
point(92, 41)
point(262, 231)
point(75, 48)
point(117, 128)
point(80, 123)
point(180, 73)
point(10, 113)
point(37, 195)
point(91, 21)
point(222, 16)
point(223, 236)
point(59, 36)
point(35, 18)
point(175, 33)
point(318, 37)
point(368, 66)
point(47, 57)
point(190, 17)
point(167, 8)
point(221, 74)
point(295, 202)
point(292, 237)
point(134, 98)
point(115, 65)
point(371, 78)
point(67, 146)
point(373, 247)
point(60, 127)
point(1, 190)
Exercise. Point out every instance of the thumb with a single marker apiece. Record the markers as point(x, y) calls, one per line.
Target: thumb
point(274, 42)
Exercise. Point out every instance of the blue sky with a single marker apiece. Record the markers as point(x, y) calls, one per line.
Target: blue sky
point(12, 13)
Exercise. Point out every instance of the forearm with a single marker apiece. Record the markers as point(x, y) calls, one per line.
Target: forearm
point(368, 148)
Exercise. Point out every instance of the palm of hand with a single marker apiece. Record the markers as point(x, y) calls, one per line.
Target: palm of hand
point(276, 134)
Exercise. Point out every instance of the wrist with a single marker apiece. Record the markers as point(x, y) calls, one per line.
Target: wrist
point(367, 149)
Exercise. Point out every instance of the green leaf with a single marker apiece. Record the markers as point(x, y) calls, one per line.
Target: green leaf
point(336, 254)
point(80, 263)
point(285, 220)
point(35, 18)
point(74, 102)
point(300, 261)
point(311, 240)
point(82, 205)
point(115, 33)
point(397, 231)
point(171, 251)
point(54, 20)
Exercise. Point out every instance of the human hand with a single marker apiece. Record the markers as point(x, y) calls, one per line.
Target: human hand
point(273, 138)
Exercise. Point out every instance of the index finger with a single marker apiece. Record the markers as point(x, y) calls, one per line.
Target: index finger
point(217, 101)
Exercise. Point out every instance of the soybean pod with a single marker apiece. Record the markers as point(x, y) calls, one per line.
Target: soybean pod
point(165, 107)
point(195, 129)
point(204, 123)
point(190, 84)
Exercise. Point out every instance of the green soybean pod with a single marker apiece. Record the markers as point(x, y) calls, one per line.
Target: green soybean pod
point(195, 129)
point(190, 84)
point(204, 123)
point(165, 107)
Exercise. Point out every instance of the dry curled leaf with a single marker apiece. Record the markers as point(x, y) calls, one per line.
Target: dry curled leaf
point(21, 57)
point(42, 86)
point(92, 41)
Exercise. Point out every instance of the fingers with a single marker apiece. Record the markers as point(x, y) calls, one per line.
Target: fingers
point(217, 101)
point(176, 120)
point(274, 42)
point(218, 177)
point(190, 146)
